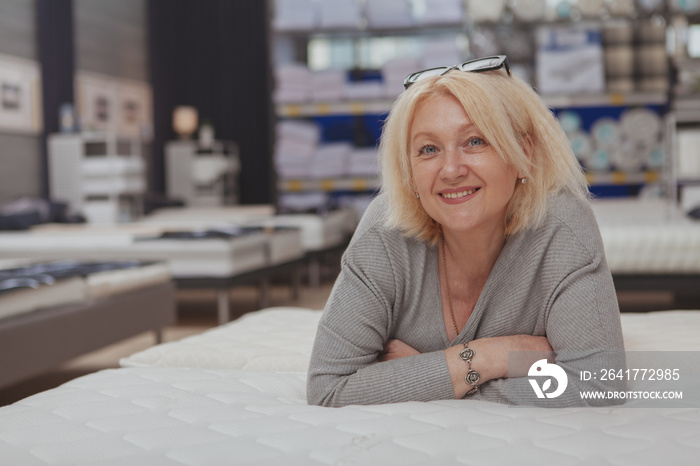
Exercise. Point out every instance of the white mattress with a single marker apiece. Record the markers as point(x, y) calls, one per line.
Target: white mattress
point(23, 300)
point(318, 231)
point(661, 331)
point(273, 339)
point(647, 237)
point(205, 216)
point(186, 258)
point(254, 340)
point(108, 283)
point(159, 416)
point(220, 413)
point(207, 257)
point(284, 245)
point(81, 289)
point(12, 263)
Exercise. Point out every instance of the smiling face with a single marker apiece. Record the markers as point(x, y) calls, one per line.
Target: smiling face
point(464, 185)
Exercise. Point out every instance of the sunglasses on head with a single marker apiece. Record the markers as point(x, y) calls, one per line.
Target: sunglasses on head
point(478, 65)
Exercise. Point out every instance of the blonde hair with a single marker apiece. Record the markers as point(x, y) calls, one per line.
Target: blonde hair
point(515, 122)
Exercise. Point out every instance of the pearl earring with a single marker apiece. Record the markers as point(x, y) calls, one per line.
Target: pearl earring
point(417, 196)
point(523, 180)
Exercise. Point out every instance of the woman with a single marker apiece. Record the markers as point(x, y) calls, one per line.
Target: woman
point(480, 244)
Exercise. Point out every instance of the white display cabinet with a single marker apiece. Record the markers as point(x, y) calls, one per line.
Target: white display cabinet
point(202, 177)
point(101, 176)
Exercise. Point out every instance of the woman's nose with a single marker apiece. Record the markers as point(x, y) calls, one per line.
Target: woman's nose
point(454, 165)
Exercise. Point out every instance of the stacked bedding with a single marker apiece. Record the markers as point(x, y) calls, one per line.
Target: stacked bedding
point(204, 400)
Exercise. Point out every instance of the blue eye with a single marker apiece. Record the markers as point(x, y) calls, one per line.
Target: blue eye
point(475, 142)
point(428, 149)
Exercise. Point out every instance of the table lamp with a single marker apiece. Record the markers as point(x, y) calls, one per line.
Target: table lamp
point(185, 121)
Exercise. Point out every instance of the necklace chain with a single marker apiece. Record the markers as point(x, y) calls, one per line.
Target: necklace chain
point(447, 285)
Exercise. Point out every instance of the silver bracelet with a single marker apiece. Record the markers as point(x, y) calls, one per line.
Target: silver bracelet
point(472, 378)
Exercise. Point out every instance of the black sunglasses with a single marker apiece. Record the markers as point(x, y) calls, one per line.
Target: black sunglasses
point(478, 65)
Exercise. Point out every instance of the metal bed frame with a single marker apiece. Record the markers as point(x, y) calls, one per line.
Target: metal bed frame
point(261, 276)
point(685, 287)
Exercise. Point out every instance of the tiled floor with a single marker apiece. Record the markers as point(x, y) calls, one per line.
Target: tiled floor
point(197, 312)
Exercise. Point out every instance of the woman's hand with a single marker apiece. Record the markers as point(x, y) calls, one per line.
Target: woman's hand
point(395, 349)
point(525, 351)
point(491, 358)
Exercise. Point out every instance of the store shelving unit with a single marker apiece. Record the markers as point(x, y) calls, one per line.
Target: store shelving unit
point(612, 99)
point(363, 111)
point(603, 103)
point(329, 185)
point(355, 107)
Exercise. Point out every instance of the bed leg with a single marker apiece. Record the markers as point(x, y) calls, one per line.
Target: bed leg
point(264, 293)
point(314, 273)
point(222, 306)
point(296, 285)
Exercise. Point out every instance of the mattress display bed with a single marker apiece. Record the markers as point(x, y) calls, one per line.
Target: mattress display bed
point(651, 245)
point(318, 231)
point(199, 255)
point(52, 312)
point(206, 256)
point(320, 234)
point(214, 399)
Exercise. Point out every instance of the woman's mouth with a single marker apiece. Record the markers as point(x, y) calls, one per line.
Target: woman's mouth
point(459, 194)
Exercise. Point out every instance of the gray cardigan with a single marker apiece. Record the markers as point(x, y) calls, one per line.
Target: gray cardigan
point(550, 281)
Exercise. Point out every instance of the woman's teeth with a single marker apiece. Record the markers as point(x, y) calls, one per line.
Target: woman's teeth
point(460, 194)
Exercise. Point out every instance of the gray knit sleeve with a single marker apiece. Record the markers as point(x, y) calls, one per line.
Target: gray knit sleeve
point(582, 324)
point(356, 323)
point(583, 328)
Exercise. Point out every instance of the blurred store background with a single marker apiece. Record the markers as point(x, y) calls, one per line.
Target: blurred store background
point(287, 97)
point(621, 75)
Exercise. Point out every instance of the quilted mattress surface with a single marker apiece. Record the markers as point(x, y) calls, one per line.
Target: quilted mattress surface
point(254, 340)
point(273, 339)
point(154, 416)
point(647, 237)
point(236, 395)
